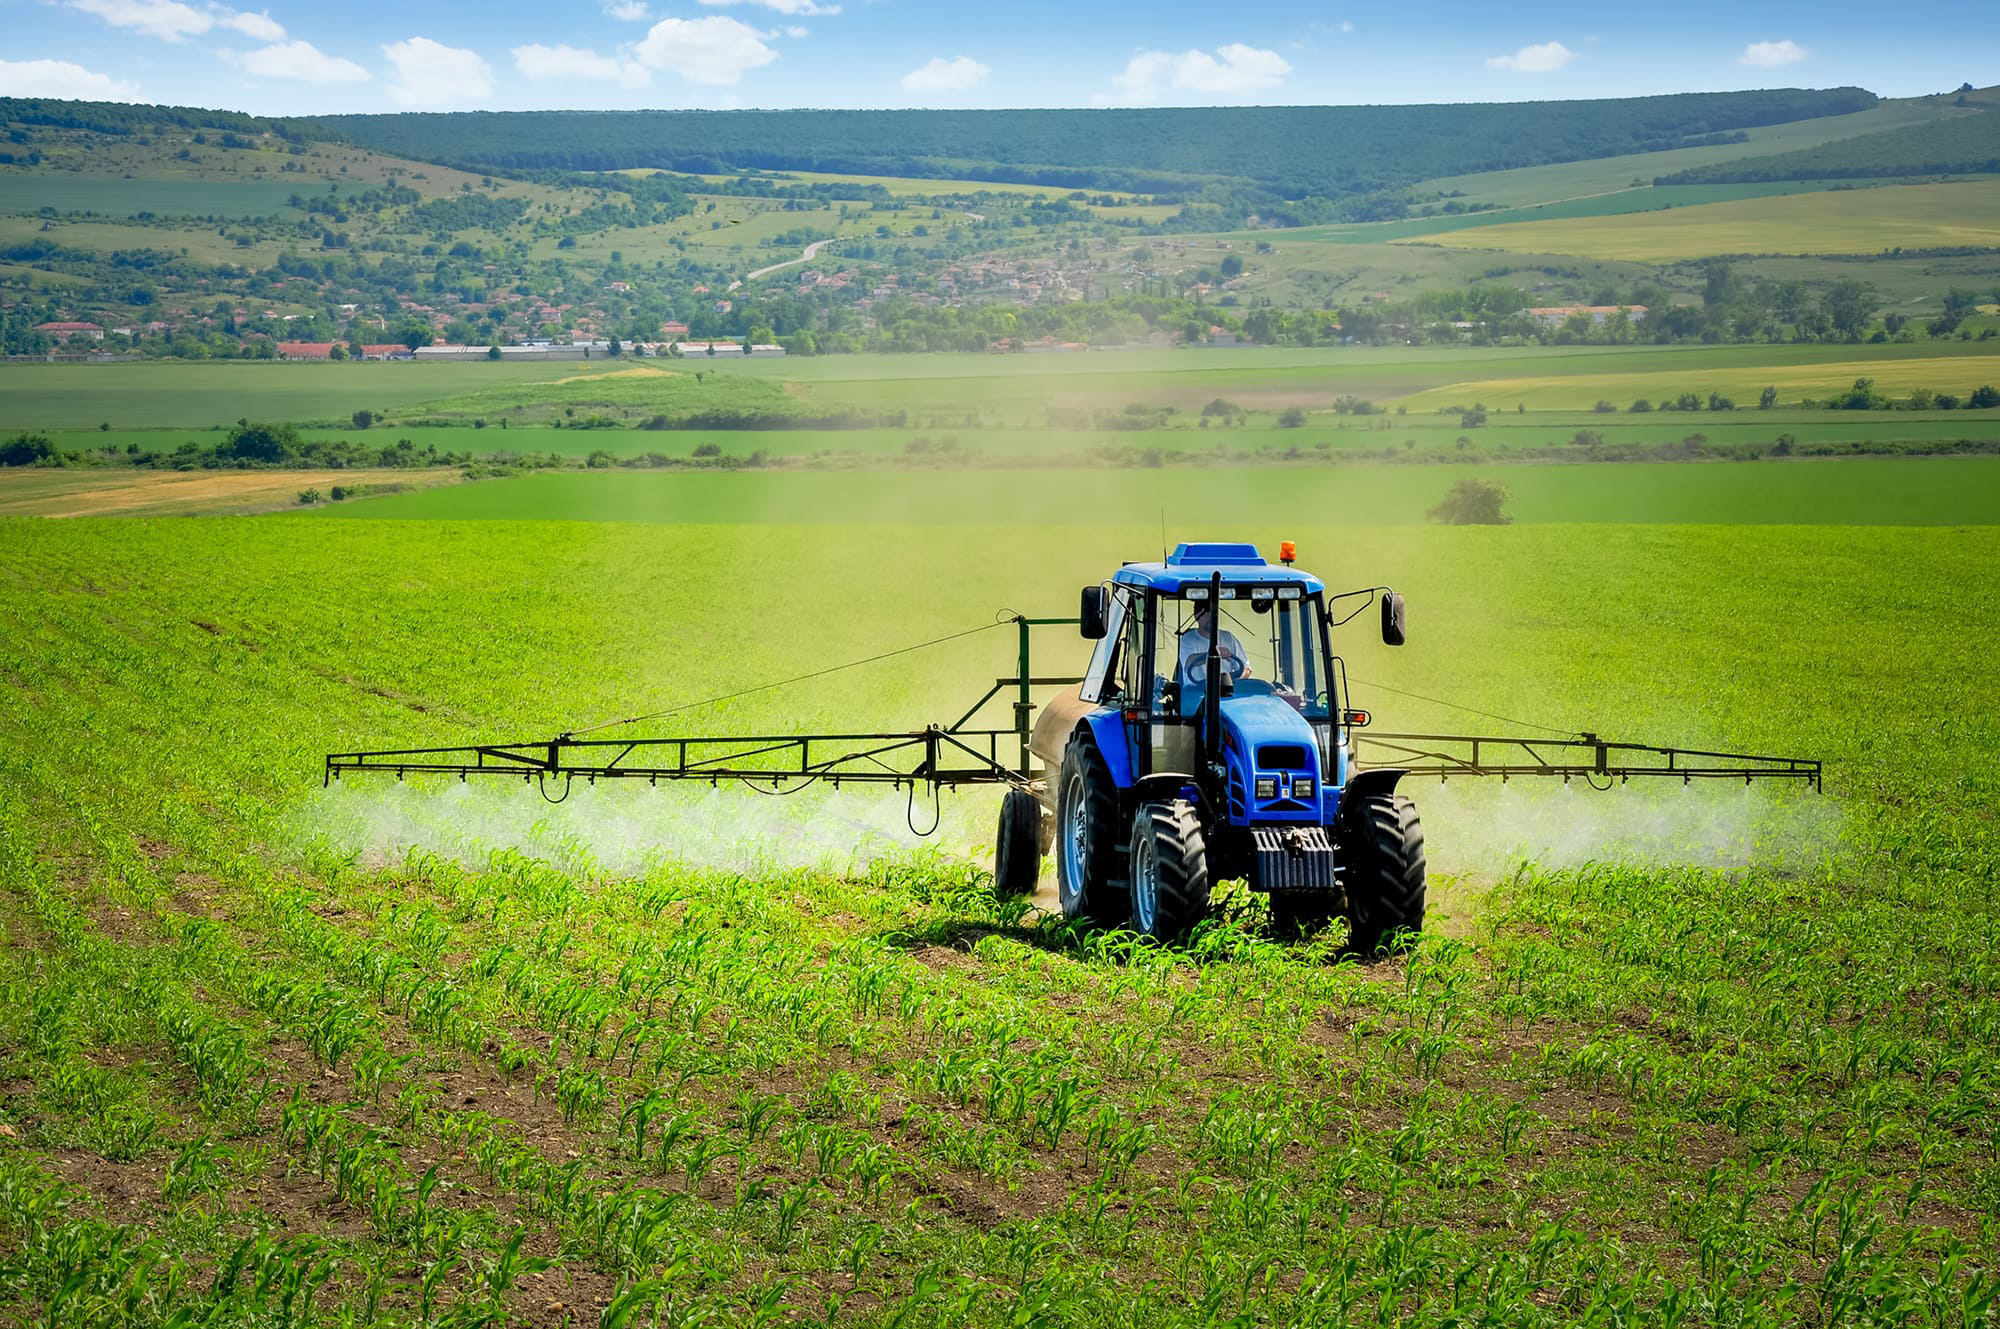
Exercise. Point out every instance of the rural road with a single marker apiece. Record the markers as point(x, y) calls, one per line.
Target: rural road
point(811, 253)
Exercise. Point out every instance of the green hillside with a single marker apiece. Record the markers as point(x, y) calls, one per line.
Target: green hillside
point(1964, 143)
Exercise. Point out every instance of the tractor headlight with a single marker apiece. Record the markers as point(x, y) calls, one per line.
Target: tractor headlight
point(1289, 593)
point(1302, 787)
point(1267, 786)
point(1262, 594)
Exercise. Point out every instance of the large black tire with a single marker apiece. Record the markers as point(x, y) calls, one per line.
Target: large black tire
point(1385, 873)
point(1090, 838)
point(1169, 869)
point(1017, 845)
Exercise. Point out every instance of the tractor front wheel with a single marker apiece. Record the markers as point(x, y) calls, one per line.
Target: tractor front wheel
point(1169, 869)
point(1017, 846)
point(1088, 844)
point(1385, 874)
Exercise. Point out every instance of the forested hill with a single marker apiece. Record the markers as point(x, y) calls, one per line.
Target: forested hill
point(1292, 151)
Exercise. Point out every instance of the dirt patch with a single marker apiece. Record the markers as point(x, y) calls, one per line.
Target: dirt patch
point(172, 493)
point(637, 371)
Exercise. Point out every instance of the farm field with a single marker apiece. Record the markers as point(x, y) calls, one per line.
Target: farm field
point(1819, 380)
point(536, 1071)
point(137, 493)
point(942, 390)
point(1934, 491)
point(1867, 221)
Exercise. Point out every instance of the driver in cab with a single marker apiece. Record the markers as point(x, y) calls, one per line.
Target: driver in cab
point(1194, 651)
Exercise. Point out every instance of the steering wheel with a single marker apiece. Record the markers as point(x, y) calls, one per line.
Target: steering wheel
point(1234, 665)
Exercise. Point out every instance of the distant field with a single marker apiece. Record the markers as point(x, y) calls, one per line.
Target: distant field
point(123, 493)
point(1616, 203)
point(947, 392)
point(1959, 374)
point(26, 191)
point(159, 394)
point(1956, 491)
point(1538, 184)
point(1860, 221)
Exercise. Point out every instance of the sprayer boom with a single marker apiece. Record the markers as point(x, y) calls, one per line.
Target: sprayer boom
point(1586, 757)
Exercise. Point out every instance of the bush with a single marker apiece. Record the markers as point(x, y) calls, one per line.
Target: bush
point(1718, 402)
point(363, 419)
point(1641, 406)
point(308, 497)
point(1767, 398)
point(1983, 398)
point(708, 450)
point(1472, 502)
point(1605, 407)
point(1219, 407)
point(1292, 418)
point(26, 450)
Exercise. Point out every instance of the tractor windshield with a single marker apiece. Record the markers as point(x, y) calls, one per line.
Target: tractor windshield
point(1268, 647)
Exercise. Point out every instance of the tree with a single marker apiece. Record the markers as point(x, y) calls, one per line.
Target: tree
point(415, 335)
point(363, 418)
point(493, 353)
point(1292, 418)
point(1767, 398)
point(1983, 398)
point(1472, 502)
point(26, 450)
point(1849, 306)
point(1232, 265)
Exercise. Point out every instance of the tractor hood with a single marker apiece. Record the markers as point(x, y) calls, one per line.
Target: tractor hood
point(1269, 735)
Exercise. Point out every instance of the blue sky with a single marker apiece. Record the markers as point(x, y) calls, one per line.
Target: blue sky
point(287, 57)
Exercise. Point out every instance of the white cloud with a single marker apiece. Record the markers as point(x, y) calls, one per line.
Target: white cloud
point(258, 27)
point(714, 51)
point(960, 74)
point(60, 78)
point(169, 20)
point(628, 11)
point(430, 73)
point(1546, 58)
point(1346, 25)
point(796, 31)
point(301, 62)
point(1234, 71)
point(172, 21)
point(782, 6)
point(571, 62)
point(1771, 55)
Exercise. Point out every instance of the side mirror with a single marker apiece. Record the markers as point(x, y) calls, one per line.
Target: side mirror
point(1392, 619)
point(1095, 601)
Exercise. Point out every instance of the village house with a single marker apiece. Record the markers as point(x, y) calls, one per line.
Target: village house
point(1555, 316)
point(65, 331)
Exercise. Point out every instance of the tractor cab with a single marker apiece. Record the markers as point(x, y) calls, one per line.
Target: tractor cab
point(1147, 688)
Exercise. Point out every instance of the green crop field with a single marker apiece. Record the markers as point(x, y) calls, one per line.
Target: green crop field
point(1942, 491)
point(1862, 221)
point(420, 1054)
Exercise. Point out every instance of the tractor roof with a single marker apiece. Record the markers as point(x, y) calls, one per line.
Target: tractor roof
point(1192, 563)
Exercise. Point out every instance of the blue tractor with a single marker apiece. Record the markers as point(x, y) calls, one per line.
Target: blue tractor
point(1209, 741)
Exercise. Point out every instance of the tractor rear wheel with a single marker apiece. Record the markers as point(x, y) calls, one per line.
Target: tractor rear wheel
point(1385, 874)
point(1017, 845)
point(1169, 869)
point(1090, 842)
